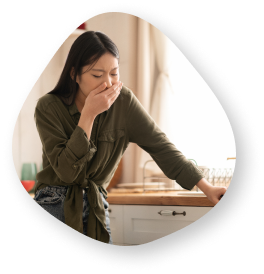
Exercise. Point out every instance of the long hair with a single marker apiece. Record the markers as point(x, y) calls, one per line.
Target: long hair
point(86, 50)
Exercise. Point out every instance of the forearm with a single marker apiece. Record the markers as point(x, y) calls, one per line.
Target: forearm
point(86, 123)
point(204, 185)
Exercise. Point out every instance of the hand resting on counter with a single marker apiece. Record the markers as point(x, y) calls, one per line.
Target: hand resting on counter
point(213, 193)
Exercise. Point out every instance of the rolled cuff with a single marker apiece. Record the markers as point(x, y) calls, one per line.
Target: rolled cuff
point(82, 149)
point(189, 177)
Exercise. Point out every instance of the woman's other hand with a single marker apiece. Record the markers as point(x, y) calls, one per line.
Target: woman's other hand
point(213, 193)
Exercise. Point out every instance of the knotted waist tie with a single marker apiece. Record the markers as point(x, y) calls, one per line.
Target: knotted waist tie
point(73, 208)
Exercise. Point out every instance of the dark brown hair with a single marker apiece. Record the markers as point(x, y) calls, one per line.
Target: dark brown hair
point(86, 50)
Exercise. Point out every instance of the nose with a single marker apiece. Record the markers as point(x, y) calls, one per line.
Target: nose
point(108, 82)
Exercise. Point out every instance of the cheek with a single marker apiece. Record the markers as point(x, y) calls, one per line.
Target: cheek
point(90, 83)
point(116, 79)
point(86, 83)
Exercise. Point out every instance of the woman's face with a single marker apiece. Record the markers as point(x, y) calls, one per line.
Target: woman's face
point(105, 70)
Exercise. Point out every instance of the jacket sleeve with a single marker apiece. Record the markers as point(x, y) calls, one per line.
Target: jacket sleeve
point(143, 131)
point(67, 156)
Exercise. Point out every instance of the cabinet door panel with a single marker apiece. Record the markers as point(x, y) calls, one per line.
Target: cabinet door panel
point(116, 223)
point(143, 224)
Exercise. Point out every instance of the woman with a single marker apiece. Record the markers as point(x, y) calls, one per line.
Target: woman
point(85, 125)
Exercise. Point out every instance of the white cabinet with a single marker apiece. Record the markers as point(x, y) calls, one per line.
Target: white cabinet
point(116, 223)
point(139, 224)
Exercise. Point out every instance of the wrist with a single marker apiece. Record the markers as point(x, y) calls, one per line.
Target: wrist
point(204, 186)
point(86, 123)
point(86, 114)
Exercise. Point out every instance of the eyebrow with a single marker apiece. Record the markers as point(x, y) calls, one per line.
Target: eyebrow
point(103, 70)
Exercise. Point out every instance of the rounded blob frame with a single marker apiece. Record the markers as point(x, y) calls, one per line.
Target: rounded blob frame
point(211, 228)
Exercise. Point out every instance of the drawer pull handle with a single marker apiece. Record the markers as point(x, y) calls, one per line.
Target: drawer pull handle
point(109, 210)
point(171, 213)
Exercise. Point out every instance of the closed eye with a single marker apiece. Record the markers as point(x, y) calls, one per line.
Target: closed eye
point(96, 76)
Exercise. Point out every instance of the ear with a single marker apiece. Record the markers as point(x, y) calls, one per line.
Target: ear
point(72, 73)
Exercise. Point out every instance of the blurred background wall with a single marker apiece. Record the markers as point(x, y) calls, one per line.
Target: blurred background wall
point(166, 84)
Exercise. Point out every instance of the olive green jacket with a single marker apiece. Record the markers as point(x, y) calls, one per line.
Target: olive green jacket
point(70, 159)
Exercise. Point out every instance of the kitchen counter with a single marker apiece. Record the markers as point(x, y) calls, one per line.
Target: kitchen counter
point(158, 198)
point(141, 217)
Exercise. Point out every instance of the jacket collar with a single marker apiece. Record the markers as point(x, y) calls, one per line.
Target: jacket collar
point(73, 109)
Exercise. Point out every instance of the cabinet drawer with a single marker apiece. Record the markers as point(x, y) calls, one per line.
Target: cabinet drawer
point(116, 223)
point(143, 224)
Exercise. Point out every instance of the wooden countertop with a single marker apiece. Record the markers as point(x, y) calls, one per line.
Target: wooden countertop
point(157, 198)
